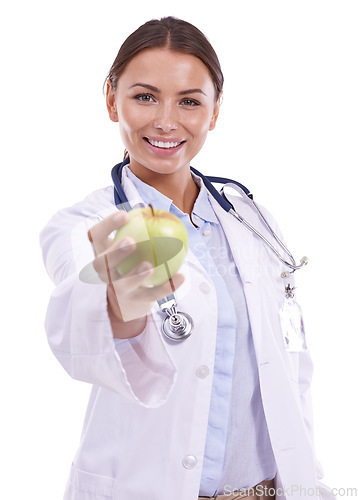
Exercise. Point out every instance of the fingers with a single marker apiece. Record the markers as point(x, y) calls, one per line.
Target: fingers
point(132, 285)
point(158, 292)
point(119, 250)
point(105, 263)
point(129, 283)
point(141, 300)
point(98, 234)
point(134, 300)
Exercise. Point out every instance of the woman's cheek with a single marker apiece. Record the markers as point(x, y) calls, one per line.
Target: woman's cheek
point(201, 122)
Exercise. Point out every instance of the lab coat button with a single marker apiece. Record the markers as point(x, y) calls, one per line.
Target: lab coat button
point(189, 461)
point(206, 233)
point(203, 371)
point(204, 287)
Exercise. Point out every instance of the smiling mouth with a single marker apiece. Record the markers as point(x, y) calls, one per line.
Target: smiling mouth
point(163, 145)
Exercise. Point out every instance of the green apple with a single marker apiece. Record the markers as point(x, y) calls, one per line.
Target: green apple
point(161, 239)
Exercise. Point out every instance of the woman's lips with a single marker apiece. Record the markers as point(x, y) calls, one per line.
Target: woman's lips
point(163, 148)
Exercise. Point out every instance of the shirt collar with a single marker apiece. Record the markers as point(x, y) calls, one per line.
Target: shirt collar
point(148, 194)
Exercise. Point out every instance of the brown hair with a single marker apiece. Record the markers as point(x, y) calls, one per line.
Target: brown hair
point(171, 33)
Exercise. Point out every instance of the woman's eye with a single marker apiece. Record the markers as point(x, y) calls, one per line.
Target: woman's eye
point(190, 102)
point(144, 97)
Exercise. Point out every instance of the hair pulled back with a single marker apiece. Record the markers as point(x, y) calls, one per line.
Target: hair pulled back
point(171, 33)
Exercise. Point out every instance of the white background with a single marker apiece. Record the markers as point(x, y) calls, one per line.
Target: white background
point(288, 130)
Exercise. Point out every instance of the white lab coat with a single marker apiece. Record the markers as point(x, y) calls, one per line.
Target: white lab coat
point(145, 427)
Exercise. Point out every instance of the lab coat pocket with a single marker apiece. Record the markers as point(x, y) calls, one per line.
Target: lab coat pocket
point(87, 486)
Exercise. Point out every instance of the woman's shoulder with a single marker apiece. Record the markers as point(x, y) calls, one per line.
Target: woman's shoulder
point(87, 212)
point(100, 200)
point(63, 240)
point(96, 205)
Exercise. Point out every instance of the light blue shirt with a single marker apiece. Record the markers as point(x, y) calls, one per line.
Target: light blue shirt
point(238, 451)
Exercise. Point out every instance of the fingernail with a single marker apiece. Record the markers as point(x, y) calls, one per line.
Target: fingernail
point(119, 217)
point(145, 266)
point(127, 244)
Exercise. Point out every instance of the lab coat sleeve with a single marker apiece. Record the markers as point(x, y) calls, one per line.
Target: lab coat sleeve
point(77, 322)
point(305, 374)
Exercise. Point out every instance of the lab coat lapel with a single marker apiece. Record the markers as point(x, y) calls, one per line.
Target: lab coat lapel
point(244, 248)
point(241, 242)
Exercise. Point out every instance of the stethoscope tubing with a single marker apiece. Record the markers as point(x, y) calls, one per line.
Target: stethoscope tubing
point(291, 265)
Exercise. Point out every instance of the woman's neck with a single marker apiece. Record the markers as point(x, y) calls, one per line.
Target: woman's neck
point(178, 186)
point(183, 194)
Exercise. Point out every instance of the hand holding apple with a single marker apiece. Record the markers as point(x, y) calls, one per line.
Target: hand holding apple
point(161, 239)
point(129, 301)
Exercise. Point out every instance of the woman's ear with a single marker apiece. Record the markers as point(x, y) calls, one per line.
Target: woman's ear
point(111, 103)
point(216, 112)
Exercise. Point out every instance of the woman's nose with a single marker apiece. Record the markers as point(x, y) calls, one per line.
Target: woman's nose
point(166, 118)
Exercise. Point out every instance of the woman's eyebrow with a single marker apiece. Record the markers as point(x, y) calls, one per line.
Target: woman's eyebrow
point(155, 89)
point(146, 85)
point(191, 91)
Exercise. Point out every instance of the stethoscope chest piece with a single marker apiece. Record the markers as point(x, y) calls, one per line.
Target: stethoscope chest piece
point(177, 325)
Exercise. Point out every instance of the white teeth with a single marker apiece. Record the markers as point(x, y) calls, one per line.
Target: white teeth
point(166, 145)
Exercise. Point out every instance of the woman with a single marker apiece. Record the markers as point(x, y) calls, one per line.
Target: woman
point(227, 411)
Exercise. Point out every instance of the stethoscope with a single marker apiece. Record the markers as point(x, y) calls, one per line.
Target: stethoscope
point(178, 325)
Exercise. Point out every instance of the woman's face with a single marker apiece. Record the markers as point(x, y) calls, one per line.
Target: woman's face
point(165, 105)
